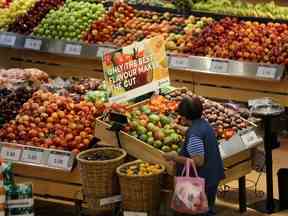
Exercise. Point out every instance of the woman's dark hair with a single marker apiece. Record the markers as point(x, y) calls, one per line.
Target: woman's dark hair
point(191, 108)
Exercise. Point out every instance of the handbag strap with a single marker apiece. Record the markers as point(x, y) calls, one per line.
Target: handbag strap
point(189, 162)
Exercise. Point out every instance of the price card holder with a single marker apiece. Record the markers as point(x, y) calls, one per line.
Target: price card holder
point(33, 44)
point(250, 139)
point(102, 50)
point(266, 72)
point(110, 200)
point(132, 213)
point(32, 155)
point(179, 62)
point(9, 152)
point(219, 66)
point(73, 49)
point(7, 40)
point(60, 160)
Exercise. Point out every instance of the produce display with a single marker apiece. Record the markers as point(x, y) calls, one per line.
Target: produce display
point(25, 24)
point(17, 8)
point(152, 124)
point(99, 156)
point(51, 121)
point(143, 169)
point(224, 121)
point(70, 21)
point(242, 8)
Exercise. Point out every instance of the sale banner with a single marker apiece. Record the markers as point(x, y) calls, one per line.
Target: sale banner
point(137, 69)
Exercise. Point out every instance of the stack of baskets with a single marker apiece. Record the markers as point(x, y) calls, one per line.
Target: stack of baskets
point(140, 193)
point(99, 179)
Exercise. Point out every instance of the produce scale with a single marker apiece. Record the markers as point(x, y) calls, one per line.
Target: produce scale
point(237, 56)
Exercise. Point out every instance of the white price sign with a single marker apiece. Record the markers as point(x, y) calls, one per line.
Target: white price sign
point(58, 160)
point(10, 153)
point(179, 62)
point(110, 200)
point(102, 50)
point(219, 66)
point(266, 72)
point(131, 213)
point(32, 44)
point(73, 49)
point(8, 40)
point(249, 139)
point(32, 155)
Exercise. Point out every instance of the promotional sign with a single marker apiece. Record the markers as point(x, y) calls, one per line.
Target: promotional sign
point(137, 69)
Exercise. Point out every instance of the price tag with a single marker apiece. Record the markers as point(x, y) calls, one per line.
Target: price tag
point(102, 50)
point(73, 49)
point(32, 44)
point(58, 160)
point(110, 200)
point(10, 153)
point(219, 66)
point(8, 40)
point(179, 62)
point(266, 72)
point(131, 213)
point(250, 139)
point(31, 155)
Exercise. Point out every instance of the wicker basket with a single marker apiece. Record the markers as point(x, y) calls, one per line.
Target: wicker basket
point(140, 193)
point(99, 179)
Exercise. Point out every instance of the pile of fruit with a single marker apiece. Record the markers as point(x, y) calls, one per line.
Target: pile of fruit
point(11, 100)
point(99, 156)
point(152, 124)
point(25, 24)
point(52, 121)
point(69, 22)
point(242, 8)
point(239, 40)
point(17, 8)
point(143, 169)
point(224, 121)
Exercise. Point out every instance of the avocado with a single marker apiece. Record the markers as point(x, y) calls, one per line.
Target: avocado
point(174, 137)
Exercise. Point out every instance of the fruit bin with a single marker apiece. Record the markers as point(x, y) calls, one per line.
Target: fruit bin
point(140, 191)
point(144, 151)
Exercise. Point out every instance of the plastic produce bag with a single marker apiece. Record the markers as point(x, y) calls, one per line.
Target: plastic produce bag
point(189, 194)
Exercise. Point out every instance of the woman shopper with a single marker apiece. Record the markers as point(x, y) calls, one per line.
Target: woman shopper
point(201, 146)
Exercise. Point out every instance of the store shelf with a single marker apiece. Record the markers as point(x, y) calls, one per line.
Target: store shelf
point(227, 67)
point(181, 62)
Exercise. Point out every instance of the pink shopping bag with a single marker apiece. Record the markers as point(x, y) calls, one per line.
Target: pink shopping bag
point(189, 194)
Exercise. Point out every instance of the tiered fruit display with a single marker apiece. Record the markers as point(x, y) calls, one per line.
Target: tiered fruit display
point(69, 22)
point(16, 8)
point(242, 8)
point(143, 169)
point(239, 40)
point(51, 121)
point(25, 24)
point(151, 123)
point(223, 120)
